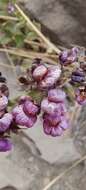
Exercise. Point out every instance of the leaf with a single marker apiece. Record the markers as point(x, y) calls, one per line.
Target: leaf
point(4, 40)
point(10, 28)
point(19, 40)
point(32, 36)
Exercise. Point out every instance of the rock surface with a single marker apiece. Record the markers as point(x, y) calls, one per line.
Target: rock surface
point(63, 20)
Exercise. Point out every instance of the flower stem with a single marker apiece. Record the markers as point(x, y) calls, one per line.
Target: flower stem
point(3, 17)
point(31, 55)
point(56, 179)
point(30, 24)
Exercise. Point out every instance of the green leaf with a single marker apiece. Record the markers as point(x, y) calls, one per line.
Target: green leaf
point(11, 28)
point(32, 36)
point(19, 40)
point(4, 40)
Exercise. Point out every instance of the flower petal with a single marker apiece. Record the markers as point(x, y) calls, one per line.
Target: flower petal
point(5, 122)
point(56, 131)
point(5, 145)
point(56, 95)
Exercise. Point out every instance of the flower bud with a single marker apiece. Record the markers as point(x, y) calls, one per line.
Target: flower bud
point(52, 130)
point(48, 107)
point(51, 78)
point(53, 119)
point(5, 145)
point(17, 110)
point(80, 95)
point(3, 102)
point(68, 57)
point(78, 76)
point(24, 120)
point(63, 57)
point(11, 8)
point(30, 108)
point(56, 95)
point(39, 72)
point(52, 107)
point(5, 122)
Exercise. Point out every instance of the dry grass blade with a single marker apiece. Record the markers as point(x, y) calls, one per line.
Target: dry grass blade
point(30, 24)
point(8, 18)
point(56, 179)
point(35, 43)
point(10, 61)
point(30, 55)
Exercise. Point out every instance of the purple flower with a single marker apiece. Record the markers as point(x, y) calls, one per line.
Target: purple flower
point(11, 8)
point(48, 82)
point(51, 77)
point(48, 107)
point(51, 107)
point(54, 71)
point(55, 129)
point(5, 122)
point(68, 57)
point(78, 76)
point(17, 110)
point(39, 72)
point(56, 95)
point(3, 102)
point(80, 95)
point(24, 120)
point(63, 56)
point(74, 50)
point(52, 130)
point(5, 145)
point(30, 108)
point(21, 118)
point(53, 119)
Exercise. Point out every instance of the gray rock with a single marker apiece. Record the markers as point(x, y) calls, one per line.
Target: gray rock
point(63, 21)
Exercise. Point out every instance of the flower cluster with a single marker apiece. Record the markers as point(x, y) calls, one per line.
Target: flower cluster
point(55, 119)
point(46, 79)
point(78, 76)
